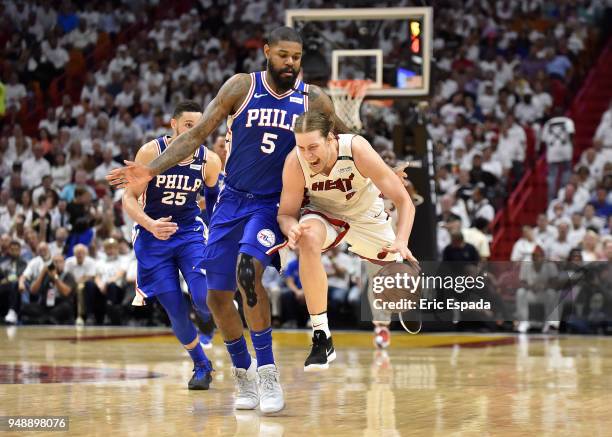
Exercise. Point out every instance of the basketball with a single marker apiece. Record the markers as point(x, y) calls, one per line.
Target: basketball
point(396, 285)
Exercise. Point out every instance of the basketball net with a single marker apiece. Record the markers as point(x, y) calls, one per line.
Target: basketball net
point(347, 96)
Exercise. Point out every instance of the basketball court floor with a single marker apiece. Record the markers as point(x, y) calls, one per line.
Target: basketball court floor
point(127, 381)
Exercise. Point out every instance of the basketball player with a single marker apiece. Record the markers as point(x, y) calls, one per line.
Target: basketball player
point(260, 109)
point(169, 235)
point(343, 177)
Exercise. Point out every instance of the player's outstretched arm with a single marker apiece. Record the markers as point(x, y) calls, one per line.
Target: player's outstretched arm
point(162, 228)
point(370, 164)
point(229, 97)
point(292, 196)
point(319, 101)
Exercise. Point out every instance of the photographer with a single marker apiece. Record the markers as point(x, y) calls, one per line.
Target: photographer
point(51, 295)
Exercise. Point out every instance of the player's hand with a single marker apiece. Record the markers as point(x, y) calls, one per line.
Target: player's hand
point(163, 228)
point(295, 233)
point(132, 174)
point(401, 247)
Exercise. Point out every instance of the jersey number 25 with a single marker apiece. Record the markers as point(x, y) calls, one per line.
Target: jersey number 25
point(174, 198)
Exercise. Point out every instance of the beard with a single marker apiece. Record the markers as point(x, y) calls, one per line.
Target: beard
point(283, 82)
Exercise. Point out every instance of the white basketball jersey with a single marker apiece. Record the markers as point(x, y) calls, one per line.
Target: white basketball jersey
point(345, 191)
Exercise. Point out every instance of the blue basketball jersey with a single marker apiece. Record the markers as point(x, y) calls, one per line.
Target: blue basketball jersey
point(261, 136)
point(174, 192)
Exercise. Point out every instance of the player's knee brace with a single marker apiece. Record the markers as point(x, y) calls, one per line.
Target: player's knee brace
point(178, 312)
point(245, 276)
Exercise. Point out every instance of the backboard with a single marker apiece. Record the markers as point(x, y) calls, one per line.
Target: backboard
point(389, 46)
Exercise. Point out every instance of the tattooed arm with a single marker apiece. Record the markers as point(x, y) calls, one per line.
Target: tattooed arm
point(228, 99)
point(319, 101)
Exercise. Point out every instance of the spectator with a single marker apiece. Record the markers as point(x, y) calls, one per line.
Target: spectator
point(14, 92)
point(67, 19)
point(603, 208)
point(55, 54)
point(603, 135)
point(61, 172)
point(82, 38)
point(560, 248)
point(537, 279)
point(11, 268)
point(144, 120)
point(590, 249)
point(45, 189)
point(523, 248)
point(477, 237)
point(80, 181)
point(544, 233)
point(110, 281)
point(41, 217)
point(58, 246)
point(107, 165)
point(593, 161)
point(577, 230)
point(557, 135)
point(37, 167)
point(81, 216)
point(573, 198)
point(60, 216)
point(50, 123)
point(591, 221)
point(460, 251)
point(83, 269)
point(478, 206)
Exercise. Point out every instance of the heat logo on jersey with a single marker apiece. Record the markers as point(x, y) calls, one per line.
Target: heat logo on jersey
point(342, 184)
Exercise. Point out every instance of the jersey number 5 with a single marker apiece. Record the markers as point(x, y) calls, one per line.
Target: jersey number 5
point(268, 142)
point(174, 198)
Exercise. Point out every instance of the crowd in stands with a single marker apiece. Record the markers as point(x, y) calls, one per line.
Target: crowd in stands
point(505, 81)
point(502, 71)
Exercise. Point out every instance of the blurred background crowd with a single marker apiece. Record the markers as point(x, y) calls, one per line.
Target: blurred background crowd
point(83, 85)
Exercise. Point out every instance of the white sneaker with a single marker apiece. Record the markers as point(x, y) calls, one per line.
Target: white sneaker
point(11, 317)
point(523, 327)
point(79, 321)
point(247, 397)
point(271, 398)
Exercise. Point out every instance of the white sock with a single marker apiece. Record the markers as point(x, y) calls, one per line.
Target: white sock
point(319, 323)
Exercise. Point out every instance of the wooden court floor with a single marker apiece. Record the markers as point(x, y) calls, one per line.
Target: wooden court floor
point(115, 382)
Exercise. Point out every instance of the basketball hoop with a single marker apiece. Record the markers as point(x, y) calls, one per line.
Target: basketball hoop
point(347, 96)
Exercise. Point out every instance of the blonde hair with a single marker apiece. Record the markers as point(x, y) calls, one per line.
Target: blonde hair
point(314, 120)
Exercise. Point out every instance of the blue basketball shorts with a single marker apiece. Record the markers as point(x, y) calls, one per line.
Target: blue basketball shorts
point(159, 261)
point(241, 223)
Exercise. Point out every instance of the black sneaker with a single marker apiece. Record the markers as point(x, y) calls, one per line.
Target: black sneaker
point(322, 353)
point(202, 377)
